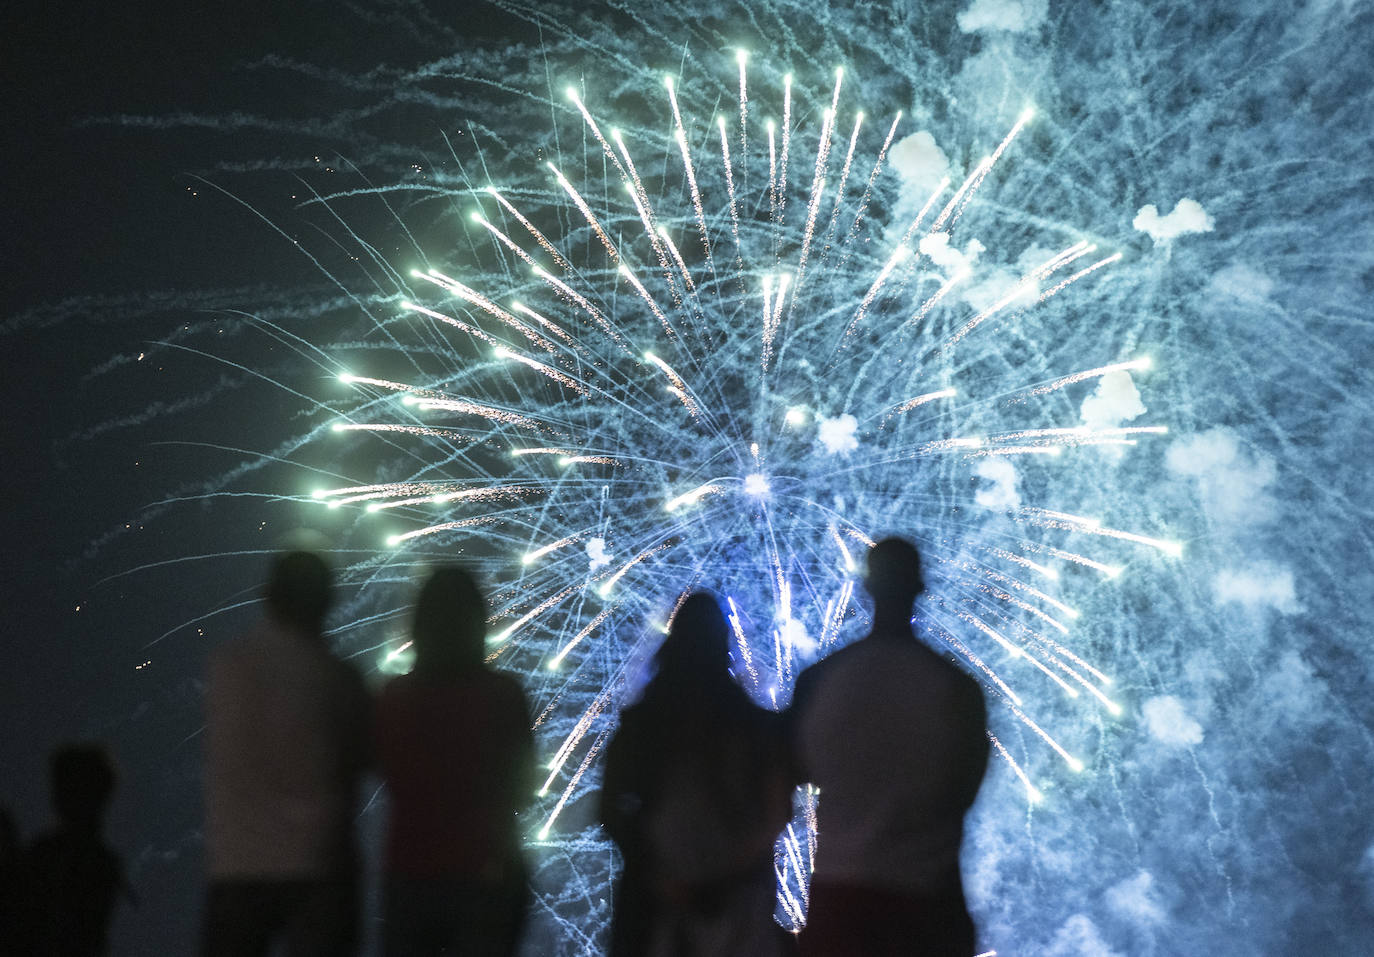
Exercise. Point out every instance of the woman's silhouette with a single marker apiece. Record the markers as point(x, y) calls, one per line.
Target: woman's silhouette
point(455, 747)
point(696, 790)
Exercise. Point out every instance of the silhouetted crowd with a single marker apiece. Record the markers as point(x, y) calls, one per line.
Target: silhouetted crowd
point(699, 782)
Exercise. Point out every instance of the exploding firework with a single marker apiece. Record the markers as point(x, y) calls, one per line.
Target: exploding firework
point(704, 359)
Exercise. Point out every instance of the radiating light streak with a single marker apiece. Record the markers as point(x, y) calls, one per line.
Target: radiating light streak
point(873, 178)
point(577, 639)
point(692, 497)
point(1018, 290)
point(545, 370)
point(604, 589)
point(465, 407)
point(677, 258)
point(533, 613)
point(539, 237)
point(1032, 792)
point(680, 388)
point(844, 172)
point(573, 739)
point(596, 130)
point(471, 330)
point(1079, 275)
point(899, 255)
point(1111, 571)
point(1145, 362)
point(549, 324)
point(1074, 764)
point(730, 190)
point(1021, 121)
point(1024, 562)
point(742, 57)
point(504, 239)
point(565, 290)
point(648, 300)
point(681, 136)
point(403, 537)
point(420, 430)
point(567, 792)
point(530, 557)
point(915, 402)
point(586, 212)
point(1093, 526)
point(737, 627)
point(482, 494)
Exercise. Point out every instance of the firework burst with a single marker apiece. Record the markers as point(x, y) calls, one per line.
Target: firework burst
point(719, 350)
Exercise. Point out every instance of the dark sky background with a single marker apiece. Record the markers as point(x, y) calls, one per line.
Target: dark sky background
point(97, 218)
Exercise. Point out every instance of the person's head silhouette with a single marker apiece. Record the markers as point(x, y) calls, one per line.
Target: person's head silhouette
point(298, 591)
point(698, 642)
point(450, 626)
point(894, 577)
point(83, 781)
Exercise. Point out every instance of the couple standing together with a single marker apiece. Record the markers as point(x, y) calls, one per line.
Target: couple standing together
point(699, 780)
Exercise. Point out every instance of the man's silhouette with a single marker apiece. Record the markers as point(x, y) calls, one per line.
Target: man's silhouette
point(894, 737)
point(68, 880)
point(287, 726)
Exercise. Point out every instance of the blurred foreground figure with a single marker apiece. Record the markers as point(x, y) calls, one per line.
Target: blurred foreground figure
point(286, 745)
point(696, 790)
point(894, 736)
point(67, 882)
point(455, 747)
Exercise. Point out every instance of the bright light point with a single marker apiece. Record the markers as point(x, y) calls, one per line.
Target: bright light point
point(1035, 795)
point(604, 590)
point(543, 833)
point(475, 216)
point(337, 427)
point(839, 72)
point(409, 400)
point(624, 270)
point(796, 415)
point(572, 93)
point(720, 121)
point(318, 493)
point(756, 484)
point(741, 56)
point(345, 378)
point(787, 79)
point(491, 190)
point(1114, 708)
point(1026, 114)
point(501, 352)
point(668, 82)
point(859, 116)
point(1173, 548)
point(553, 665)
point(392, 541)
point(771, 126)
point(419, 275)
point(527, 558)
point(1075, 765)
point(333, 504)
point(373, 506)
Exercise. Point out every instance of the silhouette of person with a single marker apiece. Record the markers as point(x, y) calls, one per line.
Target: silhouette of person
point(454, 745)
point(68, 880)
point(286, 747)
point(894, 737)
point(696, 790)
